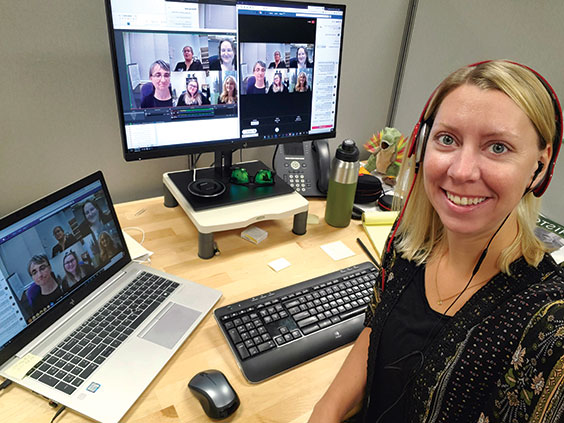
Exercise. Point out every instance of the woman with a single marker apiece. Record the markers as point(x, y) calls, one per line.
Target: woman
point(45, 288)
point(161, 96)
point(63, 240)
point(227, 59)
point(108, 247)
point(193, 95)
point(277, 85)
point(257, 84)
point(278, 63)
point(95, 220)
point(301, 60)
point(301, 84)
point(74, 270)
point(469, 325)
point(229, 93)
point(189, 63)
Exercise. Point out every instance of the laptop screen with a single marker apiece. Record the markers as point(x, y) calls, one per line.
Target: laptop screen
point(53, 253)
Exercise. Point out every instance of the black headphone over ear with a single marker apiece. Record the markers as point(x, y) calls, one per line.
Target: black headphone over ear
point(422, 129)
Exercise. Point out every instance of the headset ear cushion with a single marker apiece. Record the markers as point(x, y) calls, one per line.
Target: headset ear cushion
point(422, 138)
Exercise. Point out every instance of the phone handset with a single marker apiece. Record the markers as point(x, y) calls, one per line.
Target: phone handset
point(322, 163)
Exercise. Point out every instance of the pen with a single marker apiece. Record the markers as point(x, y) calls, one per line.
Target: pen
point(368, 253)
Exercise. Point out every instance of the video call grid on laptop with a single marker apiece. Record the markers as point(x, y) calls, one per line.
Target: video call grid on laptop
point(70, 294)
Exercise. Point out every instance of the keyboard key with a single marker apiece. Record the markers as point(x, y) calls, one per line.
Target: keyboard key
point(47, 379)
point(234, 334)
point(65, 387)
point(309, 329)
point(242, 351)
point(88, 371)
point(266, 346)
point(307, 322)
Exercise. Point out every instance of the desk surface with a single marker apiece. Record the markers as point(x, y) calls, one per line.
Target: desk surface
point(240, 272)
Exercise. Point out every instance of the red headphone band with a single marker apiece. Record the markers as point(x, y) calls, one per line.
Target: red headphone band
point(421, 129)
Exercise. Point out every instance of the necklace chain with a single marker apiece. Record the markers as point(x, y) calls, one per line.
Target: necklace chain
point(441, 300)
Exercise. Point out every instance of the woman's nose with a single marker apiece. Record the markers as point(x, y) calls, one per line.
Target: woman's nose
point(465, 166)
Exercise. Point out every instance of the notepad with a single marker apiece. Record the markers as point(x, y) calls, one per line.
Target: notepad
point(377, 225)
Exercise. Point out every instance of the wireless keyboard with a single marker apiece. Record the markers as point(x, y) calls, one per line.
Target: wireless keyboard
point(278, 330)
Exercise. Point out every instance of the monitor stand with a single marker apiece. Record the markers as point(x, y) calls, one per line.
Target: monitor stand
point(236, 207)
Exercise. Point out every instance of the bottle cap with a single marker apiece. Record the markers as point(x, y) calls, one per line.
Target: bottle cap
point(347, 151)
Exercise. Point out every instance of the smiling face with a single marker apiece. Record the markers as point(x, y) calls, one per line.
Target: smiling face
point(226, 52)
point(160, 78)
point(258, 72)
point(480, 158)
point(302, 55)
point(229, 86)
point(192, 87)
point(70, 263)
point(277, 56)
point(277, 80)
point(91, 213)
point(41, 273)
point(105, 241)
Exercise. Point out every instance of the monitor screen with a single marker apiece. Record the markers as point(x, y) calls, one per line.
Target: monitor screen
point(212, 75)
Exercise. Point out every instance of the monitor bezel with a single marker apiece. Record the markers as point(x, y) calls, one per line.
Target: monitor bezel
point(229, 144)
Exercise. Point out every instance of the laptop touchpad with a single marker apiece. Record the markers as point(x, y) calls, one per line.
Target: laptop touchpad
point(169, 326)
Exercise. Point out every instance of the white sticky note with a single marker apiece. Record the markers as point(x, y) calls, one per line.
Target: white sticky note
point(279, 264)
point(337, 250)
point(19, 369)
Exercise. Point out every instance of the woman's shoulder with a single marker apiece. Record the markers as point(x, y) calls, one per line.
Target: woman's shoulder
point(106, 218)
point(196, 65)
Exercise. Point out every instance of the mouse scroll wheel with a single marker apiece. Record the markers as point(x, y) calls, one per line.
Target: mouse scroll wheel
point(210, 379)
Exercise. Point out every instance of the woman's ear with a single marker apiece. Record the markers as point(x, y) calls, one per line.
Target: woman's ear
point(543, 161)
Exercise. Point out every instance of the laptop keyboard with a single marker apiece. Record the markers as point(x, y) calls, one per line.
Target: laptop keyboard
point(276, 331)
point(67, 365)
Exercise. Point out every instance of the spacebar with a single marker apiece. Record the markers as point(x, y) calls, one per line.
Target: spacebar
point(352, 313)
point(144, 315)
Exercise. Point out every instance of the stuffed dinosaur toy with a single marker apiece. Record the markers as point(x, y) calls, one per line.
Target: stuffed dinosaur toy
point(387, 150)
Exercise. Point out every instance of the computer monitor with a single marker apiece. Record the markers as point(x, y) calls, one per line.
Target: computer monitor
point(218, 75)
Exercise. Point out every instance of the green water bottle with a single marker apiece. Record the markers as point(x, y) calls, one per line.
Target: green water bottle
point(342, 185)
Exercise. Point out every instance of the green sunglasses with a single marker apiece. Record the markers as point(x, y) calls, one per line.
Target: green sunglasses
point(240, 176)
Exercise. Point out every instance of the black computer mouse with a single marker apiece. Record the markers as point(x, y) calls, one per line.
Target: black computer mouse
point(218, 398)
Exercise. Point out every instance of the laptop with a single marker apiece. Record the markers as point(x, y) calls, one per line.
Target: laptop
point(81, 323)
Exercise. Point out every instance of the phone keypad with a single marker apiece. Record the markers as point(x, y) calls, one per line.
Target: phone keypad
point(297, 180)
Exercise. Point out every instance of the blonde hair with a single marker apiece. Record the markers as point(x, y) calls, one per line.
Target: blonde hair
point(225, 97)
point(421, 229)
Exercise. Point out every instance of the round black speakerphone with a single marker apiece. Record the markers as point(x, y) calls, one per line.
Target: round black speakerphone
point(206, 187)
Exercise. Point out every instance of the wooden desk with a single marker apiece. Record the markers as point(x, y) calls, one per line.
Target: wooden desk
point(241, 271)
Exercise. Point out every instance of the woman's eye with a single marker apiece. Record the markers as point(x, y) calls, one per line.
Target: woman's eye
point(446, 139)
point(498, 148)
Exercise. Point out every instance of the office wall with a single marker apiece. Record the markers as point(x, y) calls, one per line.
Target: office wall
point(58, 115)
point(449, 34)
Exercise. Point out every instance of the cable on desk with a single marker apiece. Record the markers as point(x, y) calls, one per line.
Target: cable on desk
point(5, 384)
point(59, 411)
point(137, 229)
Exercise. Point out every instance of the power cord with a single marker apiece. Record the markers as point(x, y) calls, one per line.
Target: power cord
point(136, 228)
point(5, 384)
point(59, 411)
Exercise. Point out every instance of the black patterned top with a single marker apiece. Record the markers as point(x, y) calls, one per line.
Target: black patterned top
point(500, 358)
